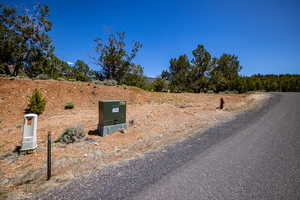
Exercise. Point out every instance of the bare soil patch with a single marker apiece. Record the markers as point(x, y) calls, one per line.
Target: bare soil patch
point(158, 119)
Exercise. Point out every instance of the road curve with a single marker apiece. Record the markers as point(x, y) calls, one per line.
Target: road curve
point(256, 156)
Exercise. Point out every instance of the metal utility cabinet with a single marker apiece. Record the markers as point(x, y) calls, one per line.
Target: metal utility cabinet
point(112, 116)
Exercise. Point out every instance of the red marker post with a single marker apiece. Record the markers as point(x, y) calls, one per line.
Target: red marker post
point(222, 103)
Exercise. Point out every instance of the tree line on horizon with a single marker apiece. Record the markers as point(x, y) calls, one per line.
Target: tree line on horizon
point(26, 49)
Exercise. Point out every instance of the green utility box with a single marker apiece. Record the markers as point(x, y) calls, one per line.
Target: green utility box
point(112, 116)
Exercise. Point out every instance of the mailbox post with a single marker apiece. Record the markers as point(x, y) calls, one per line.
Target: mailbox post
point(29, 140)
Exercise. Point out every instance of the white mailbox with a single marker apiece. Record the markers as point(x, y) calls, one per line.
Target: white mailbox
point(29, 140)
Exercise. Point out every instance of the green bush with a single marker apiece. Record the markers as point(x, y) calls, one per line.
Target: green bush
point(124, 86)
point(148, 86)
point(23, 77)
point(110, 82)
point(69, 105)
point(229, 92)
point(160, 85)
point(97, 82)
point(42, 77)
point(71, 135)
point(3, 75)
point(61, 79)
point(37, 103)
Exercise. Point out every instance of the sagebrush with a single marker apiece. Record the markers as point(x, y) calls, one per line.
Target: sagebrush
point(71, 135)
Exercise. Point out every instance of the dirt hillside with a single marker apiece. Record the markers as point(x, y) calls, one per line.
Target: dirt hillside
point(159, 119)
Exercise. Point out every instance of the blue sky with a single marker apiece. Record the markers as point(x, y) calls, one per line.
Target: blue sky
point(264, 34)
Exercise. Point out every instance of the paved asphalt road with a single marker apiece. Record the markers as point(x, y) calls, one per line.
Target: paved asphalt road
point(256, 156)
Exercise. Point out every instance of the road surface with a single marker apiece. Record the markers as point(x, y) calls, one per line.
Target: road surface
point(256, 156)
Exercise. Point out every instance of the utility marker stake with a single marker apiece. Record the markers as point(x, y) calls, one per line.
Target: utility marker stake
point(49, 156)
point(222, 103)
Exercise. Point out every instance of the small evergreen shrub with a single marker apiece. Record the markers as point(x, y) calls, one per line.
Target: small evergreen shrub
point(23, 77)
point(60, 79)
point(229, 92)
point(18, 126)
point(42, 77)
point(234, 92)
point(69, 105)
point(124, 86)
point(71, 135)
point(110, 82)
point(37, 103)
point(159, 85)
point(97, 82)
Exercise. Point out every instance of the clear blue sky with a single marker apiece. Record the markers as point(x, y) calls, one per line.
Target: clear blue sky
point(264, 34)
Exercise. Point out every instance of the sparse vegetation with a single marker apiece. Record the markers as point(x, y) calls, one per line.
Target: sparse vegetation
point(71, 135)
point(69, 156)
point(60, 79)
point(18, 126)
point(205, 73)
point(69, 105)
point(98, 82)
point(42, 77)
point(156, 119)
point(160, 85)
point(37, 103)
point(110, 82)
point(113, 58)
point(124, 86)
